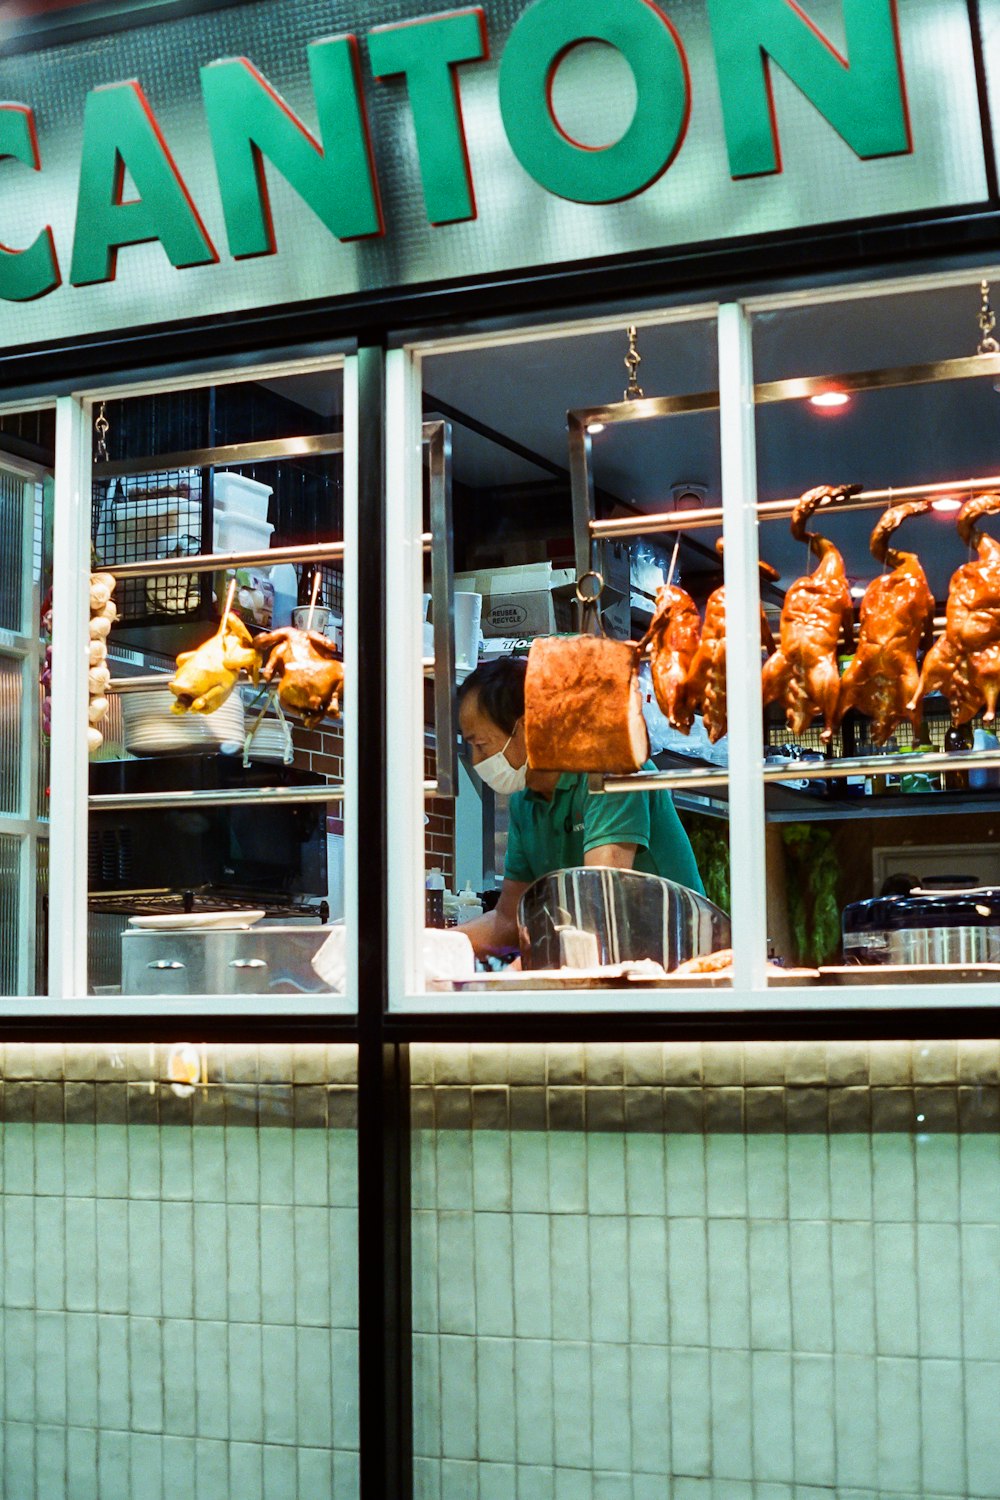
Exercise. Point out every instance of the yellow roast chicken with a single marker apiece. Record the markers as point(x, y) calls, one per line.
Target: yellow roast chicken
point(205, 677)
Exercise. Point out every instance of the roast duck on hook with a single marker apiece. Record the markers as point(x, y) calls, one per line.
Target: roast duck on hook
point(705, 688)
point(896, 617)
point(964, 663)
point(816, 615)
point(310, 676)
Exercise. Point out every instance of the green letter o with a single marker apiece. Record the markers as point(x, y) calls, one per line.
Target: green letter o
point(652, 48)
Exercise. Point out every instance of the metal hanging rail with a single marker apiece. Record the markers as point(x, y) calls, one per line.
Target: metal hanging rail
point(314, 445)
point(913, 763)
point(775, 510)
point(218, 562)
point(232, 797)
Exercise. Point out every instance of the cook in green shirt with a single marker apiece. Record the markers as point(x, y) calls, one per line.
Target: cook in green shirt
point(555, 823)
point(558, 832)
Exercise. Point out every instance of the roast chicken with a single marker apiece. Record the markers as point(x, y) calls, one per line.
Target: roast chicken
point(310, 677)
point(964, 664)
point(896, 615)
point(705, 688)
point(674, 634)
point(817, 613)
point(205, 677)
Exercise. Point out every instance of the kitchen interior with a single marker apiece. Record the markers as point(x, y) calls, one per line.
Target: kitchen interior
point(216, 835)
point(844, 852)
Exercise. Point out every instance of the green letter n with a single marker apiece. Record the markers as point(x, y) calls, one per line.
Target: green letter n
point(248, 120)
point(862, 96)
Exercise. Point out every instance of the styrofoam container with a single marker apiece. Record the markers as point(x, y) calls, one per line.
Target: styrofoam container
point(239, 533)
point(247, 497)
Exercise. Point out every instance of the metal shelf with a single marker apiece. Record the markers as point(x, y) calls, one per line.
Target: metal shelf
point(232, 797)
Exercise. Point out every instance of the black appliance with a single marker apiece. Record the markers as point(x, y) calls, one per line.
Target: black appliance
point(204, 856)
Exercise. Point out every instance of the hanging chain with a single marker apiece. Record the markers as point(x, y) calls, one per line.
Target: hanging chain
point(987, 322)
point(633, 359)
point(102, 427)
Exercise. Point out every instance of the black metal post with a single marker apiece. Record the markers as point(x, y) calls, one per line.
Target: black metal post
point(385, 1403)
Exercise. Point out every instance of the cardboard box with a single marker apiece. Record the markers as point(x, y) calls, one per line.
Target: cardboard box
point(516, 601)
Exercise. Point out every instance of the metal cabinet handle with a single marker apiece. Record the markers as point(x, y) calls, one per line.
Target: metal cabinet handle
point(437, 441)
point(248, 963)
point(166, 963)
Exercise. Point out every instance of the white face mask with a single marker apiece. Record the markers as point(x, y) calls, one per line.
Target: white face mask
point(498, 773)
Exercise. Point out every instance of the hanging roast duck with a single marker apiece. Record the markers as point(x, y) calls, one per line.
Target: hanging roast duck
point(964, 664)
point(896, 615)
point(673, 635)
point(817, 613)
point(310, 676)
point(705, 688)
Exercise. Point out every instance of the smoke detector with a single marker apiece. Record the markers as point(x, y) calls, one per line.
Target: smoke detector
point(688, 496)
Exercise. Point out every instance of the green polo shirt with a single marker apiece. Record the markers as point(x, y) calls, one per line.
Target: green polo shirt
point(547, 835)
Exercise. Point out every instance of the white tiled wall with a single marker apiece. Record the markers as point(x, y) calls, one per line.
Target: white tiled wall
point(682, 1316)
point(178, 1312)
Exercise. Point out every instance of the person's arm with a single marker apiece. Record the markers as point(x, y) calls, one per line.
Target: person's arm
point(497, 928)
point(615, 856)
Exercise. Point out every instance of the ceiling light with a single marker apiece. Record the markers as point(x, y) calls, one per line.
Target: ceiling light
point(829, 399)
point(594, 428)
point(946, 503)
point(858, 591)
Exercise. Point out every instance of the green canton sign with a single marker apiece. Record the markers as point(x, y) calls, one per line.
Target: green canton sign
point(469, 99)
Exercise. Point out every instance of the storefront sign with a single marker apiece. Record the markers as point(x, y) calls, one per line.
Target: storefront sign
point(435, 138)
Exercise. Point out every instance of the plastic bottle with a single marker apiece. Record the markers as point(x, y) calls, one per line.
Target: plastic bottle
point(469, 904)
point(434, 899)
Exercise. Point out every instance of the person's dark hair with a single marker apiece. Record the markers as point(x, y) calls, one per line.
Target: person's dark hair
point(499, 689)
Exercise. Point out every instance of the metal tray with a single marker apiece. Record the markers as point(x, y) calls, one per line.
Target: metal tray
point(868, 974)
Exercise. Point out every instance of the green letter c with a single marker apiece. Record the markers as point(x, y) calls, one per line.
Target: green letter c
point(30, 273)
point(653, 50)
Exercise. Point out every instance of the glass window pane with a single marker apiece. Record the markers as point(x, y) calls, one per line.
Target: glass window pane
point(251, 721)
point(27, 453)
point(886, 871)
point(515, 575)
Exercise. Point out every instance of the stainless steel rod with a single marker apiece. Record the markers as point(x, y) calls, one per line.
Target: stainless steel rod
point(146, 684)
point(912, 764)
point(232, 797)
point(218, 562)
point(772, 510)
point(309, 446)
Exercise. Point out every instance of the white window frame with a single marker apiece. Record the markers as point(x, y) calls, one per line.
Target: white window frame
point(68, 823)
point(749, 991)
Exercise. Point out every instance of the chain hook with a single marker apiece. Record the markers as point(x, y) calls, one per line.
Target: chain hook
point(633, 359)
point(987, 322)
point(102, 427)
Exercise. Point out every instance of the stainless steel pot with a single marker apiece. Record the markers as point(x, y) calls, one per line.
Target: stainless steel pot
point(583, 917)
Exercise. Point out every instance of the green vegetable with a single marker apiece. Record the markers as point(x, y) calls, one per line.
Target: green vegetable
point(811, 872)
point(710, 843)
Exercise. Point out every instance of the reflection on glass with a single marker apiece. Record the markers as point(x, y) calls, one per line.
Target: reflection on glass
point(224, 687)
point(525, 810)
point(882, 838)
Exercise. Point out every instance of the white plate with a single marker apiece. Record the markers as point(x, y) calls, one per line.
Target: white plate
point(227, 921)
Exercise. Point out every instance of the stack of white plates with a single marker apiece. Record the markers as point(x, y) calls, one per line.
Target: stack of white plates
point(269, 740)
point(151, 728)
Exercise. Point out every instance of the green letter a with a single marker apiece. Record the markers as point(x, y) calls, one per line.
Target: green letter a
point(120, 132)
point(862, 96)
point(248, 121)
